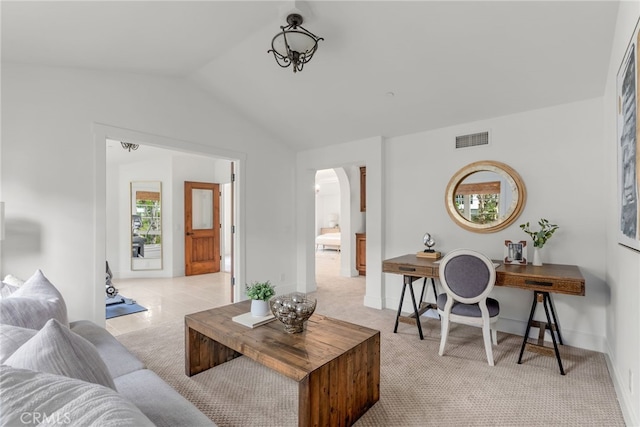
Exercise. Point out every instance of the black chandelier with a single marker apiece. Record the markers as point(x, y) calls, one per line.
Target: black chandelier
point(295, 45)
point(129, 146)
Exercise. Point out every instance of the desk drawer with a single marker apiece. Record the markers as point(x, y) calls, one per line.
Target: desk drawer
point(408, 269)
point(546, 284)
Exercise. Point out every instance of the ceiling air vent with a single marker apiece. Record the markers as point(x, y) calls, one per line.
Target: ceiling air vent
point(472, 140)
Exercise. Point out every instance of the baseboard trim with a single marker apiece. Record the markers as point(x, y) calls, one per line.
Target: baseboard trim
point(349, 272)
point(575, 339)
point(517, 327)
point(569, 337)
point(631, 417)
point(373, 302)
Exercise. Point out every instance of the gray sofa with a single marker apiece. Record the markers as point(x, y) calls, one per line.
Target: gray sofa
point(75, 373)
point(142, 387)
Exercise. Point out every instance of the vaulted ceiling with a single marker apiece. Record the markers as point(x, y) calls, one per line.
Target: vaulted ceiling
point(384, 67)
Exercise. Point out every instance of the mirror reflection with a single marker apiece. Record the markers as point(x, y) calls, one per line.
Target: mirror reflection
point(485, 196)
point(146, 225)
point(482, 197)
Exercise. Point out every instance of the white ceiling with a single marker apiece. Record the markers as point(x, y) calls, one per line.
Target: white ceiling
point(446, 62)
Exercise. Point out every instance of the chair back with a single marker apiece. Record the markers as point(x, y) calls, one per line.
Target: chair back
point(468, 276)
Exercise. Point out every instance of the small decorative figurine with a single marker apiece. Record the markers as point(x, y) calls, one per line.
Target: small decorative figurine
point(428, 242)
point(429, 252)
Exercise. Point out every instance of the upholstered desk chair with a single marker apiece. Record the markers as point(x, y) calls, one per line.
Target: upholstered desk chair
point(467, 278)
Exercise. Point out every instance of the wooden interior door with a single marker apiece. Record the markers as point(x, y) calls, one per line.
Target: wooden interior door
point(202, 228)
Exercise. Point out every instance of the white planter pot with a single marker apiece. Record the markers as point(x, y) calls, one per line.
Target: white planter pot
point(259, 308)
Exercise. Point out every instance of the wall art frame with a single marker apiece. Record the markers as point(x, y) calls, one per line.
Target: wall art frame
point(628, 129)
point(515, 252)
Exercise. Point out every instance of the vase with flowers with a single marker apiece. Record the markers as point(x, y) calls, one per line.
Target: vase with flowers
point(539, 237)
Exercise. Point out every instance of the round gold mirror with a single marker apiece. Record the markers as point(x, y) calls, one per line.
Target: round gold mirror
point(485, 196)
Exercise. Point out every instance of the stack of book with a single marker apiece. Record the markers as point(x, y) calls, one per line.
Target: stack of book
point(250, 321)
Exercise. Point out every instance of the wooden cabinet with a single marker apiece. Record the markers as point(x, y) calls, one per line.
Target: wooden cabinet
point(363, 188)
point(361, 253)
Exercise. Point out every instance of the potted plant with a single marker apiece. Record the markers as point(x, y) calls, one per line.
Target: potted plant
point(259, 293)
point(539, 237)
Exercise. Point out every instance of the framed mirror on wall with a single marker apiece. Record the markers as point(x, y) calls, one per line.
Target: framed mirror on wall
point(146, 225)
point(485, 196)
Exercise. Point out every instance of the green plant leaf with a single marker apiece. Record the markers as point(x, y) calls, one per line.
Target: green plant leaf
point(540, 237)
point(260, 290)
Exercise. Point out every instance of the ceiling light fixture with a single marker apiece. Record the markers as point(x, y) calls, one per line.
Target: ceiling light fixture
point(128, 146)
point(295, 45)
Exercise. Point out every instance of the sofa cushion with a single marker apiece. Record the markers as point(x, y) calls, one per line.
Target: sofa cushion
point(57, 350)
point(37, 398)
point(158, 401)
point(11, 338)
point(33, 304)
point(118, 359)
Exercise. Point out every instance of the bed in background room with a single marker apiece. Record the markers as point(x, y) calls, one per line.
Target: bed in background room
point(328, 238)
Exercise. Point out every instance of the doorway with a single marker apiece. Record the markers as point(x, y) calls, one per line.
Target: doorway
point(170, 166)
point(329, 237)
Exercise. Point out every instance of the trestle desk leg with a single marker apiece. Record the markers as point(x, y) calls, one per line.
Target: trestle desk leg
point(404, 287)
point(526, 333)
point(415, 309)
point(555, 321)
point(552, 323)
point(546, 304)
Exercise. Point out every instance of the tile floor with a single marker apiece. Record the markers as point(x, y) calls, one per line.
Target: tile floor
point(169, 299)
point(172, 298)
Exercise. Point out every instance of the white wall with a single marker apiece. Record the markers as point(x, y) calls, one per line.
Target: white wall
point(52, 168)
point(563, 181)
point(622, 264)
point(566, 157)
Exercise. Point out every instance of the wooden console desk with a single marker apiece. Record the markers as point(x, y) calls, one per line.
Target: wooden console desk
point(542, 280)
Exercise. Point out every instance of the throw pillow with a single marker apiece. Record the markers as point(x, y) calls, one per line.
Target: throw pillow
point(37, 398)
point(6, 289)
point(57, 350)
point(11, 338)
point(13, 280)
point(33, 303)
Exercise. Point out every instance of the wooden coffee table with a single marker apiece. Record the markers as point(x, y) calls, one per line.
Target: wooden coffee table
point(336, 363)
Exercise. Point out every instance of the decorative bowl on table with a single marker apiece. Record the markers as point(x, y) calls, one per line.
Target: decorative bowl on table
point(293, 310)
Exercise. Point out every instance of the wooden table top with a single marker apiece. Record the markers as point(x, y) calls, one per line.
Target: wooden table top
point(293, 355)
point(557, 278)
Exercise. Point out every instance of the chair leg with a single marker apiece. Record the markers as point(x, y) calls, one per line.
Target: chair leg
point(494, 335)
point(486, 333)
point(444, 333)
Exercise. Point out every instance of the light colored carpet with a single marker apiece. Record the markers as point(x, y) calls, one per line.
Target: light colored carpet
point(417, 387)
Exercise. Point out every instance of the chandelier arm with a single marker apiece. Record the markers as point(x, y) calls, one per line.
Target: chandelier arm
point(129, 146)
point(309, 33)
point(282, 61)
